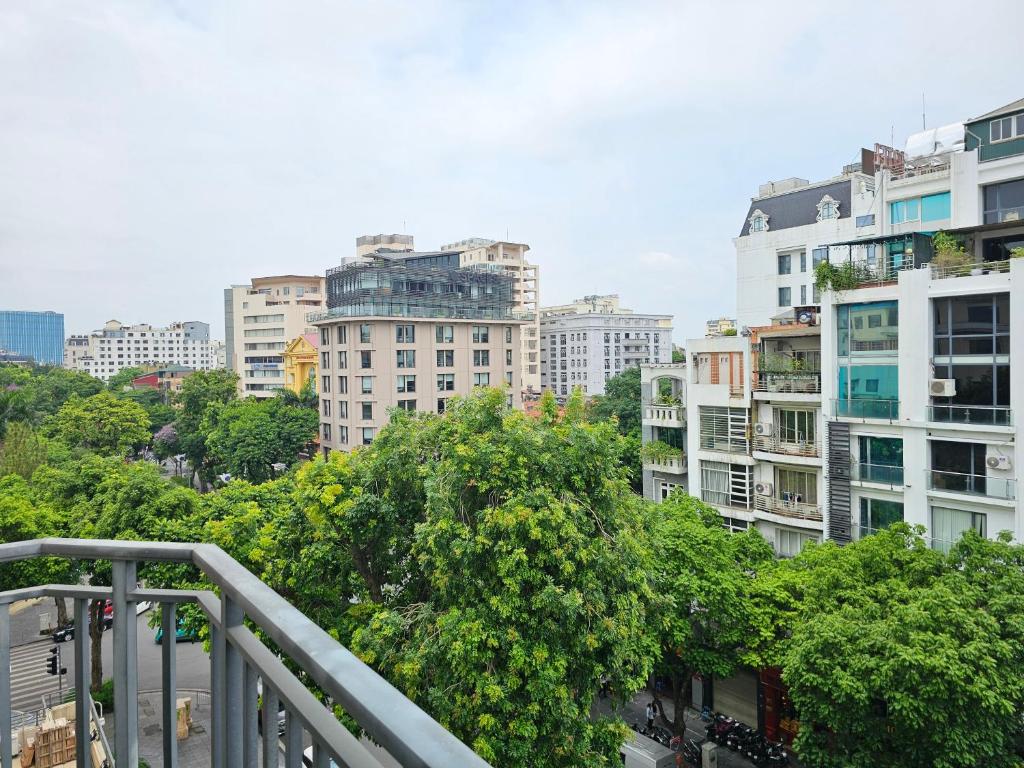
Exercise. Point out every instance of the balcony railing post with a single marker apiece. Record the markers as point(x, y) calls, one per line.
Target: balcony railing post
point(83, 706)
point(5, 686)
point(169, 673)
point(217, 695)
point(231, 617)
point(126, 668)
point(250, 730)
point(270, 735)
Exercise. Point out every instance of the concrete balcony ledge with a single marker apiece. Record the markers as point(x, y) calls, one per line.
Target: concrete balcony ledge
point(664, 416)
point(242, 669)
point(675, 466)
point(790, 509)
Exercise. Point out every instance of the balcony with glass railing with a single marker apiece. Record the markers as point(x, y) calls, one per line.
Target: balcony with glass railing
point(787, 507)
point(248, 679)
point(865, 409)
point(879, 474)
point(984, 486)
point(982, 415)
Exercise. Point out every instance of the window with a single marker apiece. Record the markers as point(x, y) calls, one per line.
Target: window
point(342, 359)
point(819, 255)
point(724, 484)
point(481, 357)
point(868, 335)
point(803, 267)
point(481, 334)
point(405, 334)
point(407, 405)
point(446, 382)
point(508, 334)
point(365, 359)
point(508, 357)
point(948, 525)
point(878, 514)
point(785, 297)
point(405, 358)
point(904, 210)
point(367, 435)
point(326, 430)
point(881, 460)
point(666, 489)
point(364, 333)
point(785, 263)
point(758, 221)
point(406, 383)
point(343, 409)
point(342, 334)
point(1003, 128)
point(444, 334)
point(445, 358)
point(441, 404)
point(935, 207)
point(866, 221)
point(343, 385)
point(508, 378)
point(1004, 202)
point(325, 359)
point(828, 209)
point(325, 383)
point(796, 426)
point(366, 411)
point(803, 295)
point(724, 429)
point(795, 486)
point(481, 379)
point(343, 435)
point(325, 407)
point(366, 385)
point(791, 543)
point(325, 336)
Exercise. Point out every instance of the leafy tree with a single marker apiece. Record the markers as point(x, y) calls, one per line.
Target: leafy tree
point(542, 516)
point(155, 403)
point(678, 356)
point(306, 397)
point(123, 378)
point(16, 406)
point(621, 401)
point(247, 436)
point(165, 442)
point(896, 655)
point(102, 423)
point(23, 450)
point(200, 390)
point(706, 575)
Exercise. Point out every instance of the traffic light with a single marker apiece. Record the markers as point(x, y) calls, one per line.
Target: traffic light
point(51, 663)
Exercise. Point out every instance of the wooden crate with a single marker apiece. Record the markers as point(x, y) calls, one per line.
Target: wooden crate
point(54, 744)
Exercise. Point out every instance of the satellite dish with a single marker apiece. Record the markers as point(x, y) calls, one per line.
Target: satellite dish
point(805, 317)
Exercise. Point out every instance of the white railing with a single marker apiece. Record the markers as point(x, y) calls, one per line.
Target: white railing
point(787, 508)
point(776, 444)
point(665, 415)
point(676, 464)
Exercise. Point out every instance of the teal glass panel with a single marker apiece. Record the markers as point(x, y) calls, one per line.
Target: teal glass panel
point(934, 207)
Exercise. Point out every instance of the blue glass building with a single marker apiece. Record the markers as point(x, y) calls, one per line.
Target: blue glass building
point(39, 335)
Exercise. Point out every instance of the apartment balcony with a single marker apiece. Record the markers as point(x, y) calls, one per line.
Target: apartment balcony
point(664, 416)
point(774, 444)
point(675, 465)
point(984, 486)
point(982, 415)
point(864, 409)
point(787, 508)
point(243, 671)
point(788, 385)
point(877, 474)
point(970, 270)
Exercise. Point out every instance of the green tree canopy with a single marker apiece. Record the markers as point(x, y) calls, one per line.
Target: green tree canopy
point(123, 378)
point(199, 391)
point(22, 451)
point(621, 399)
point(102, 423)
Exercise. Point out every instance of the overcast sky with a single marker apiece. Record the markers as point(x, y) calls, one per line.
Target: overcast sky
point(153, 152)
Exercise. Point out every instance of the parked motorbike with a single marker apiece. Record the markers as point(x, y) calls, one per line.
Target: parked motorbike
point(719, 728)
point(739, 737)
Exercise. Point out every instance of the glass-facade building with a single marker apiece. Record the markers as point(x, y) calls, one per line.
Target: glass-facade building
point(38, 335)
point(868, 351)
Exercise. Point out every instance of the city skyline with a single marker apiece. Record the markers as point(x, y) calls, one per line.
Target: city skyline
point(621, 157)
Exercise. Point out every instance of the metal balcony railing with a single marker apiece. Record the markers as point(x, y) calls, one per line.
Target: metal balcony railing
point(966, 270)
point(786, 447)
point(857, 408)
point(787, 508)
point(241, 668)
point(788, 382)
point(974, 485)
point(882, 474)
point(988, 415)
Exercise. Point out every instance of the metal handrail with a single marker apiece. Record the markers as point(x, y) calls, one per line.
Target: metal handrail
point(882, 474)
point(940, 272)
point(408, 734)
point(975, 485)
point(955, 413)
point(776, 506)
point(775, 444)
point(786, 382)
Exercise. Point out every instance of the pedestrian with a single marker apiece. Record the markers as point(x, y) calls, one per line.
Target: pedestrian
point(650, 715)
point(603, 693)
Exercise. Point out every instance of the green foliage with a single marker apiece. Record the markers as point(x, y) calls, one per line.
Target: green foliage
point(844, 277)
point(104, 695)
point(949, 252)
point(656, 450)
point(543, 518)
point(678, 356)
point(706, 576)
point(729, 332)
point(1017, 253)
point(621, 403)
point(199, 391)
point(305, 398)
point(247, 436)
point(123, 378)
point(102, 423)
point(32, 395)
point(22, 451)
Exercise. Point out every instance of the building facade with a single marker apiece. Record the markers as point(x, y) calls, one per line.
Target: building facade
point(117, 346)
point(300, 362)
point(411, 330)
point(585, 343)
point(35, 335)
point(75, 347)
point(259, 320)
point(720, 327)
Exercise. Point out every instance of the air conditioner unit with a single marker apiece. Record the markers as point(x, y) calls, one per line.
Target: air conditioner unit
point(764, 489)
point(942, 387)
point(998, 462)
point(762, 430)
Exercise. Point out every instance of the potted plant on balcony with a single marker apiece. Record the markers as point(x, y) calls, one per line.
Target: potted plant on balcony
point(844, 277)
point(950, 255)
point(659, 452)
point(1017, 253)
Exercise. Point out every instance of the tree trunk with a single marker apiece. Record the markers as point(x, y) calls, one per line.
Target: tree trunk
point(682, 692)
point(96, 638)
point(62, 611)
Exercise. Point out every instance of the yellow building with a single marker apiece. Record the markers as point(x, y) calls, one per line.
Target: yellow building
point(300, 362)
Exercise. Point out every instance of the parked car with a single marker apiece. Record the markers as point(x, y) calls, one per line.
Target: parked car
point(181, 634)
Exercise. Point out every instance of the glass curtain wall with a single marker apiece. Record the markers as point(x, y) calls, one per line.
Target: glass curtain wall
point(868, 372)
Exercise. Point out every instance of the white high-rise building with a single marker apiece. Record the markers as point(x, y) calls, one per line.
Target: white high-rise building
point(116, 346)
point(585, 343)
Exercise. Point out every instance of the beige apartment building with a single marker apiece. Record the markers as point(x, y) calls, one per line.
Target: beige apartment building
point(370, 365)
point(259, 320)
point(511, 258)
